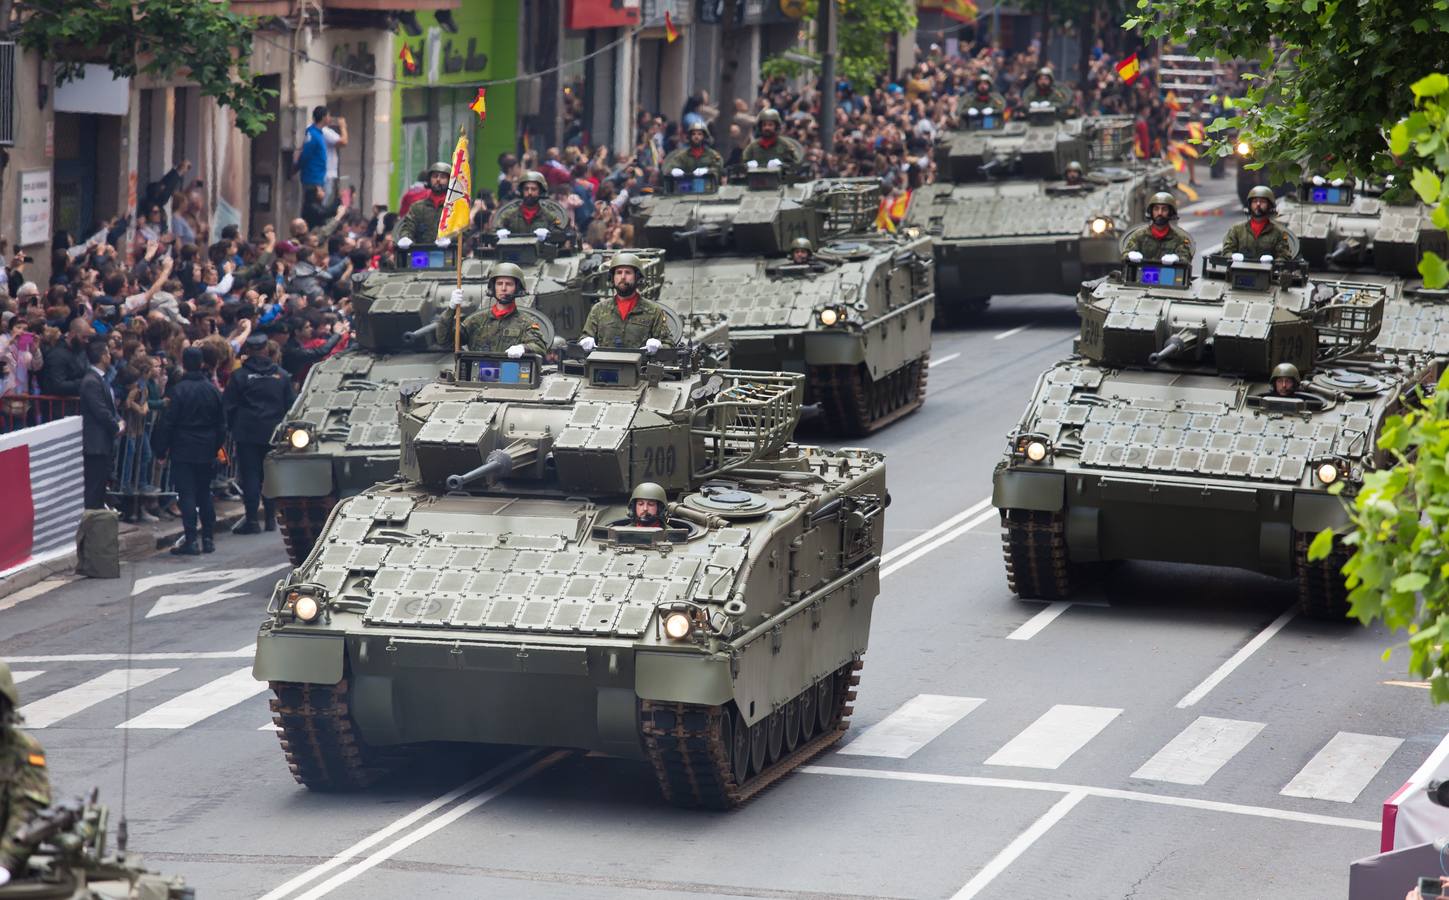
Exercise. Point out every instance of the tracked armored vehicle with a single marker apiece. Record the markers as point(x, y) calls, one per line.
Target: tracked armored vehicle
point(501, 592)
point(1003, 219)
point(1164, 439)
point(855, 319)
point(340, 436)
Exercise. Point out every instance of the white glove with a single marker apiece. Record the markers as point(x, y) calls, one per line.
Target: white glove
point(677, 172)
point(973, 111)
point(1169, 258)
point(773, 164)
point(404, 243)
point(504, 233)
point(515, 351)
point(1338, 182)
point(540, 233)
point(442, 241)
point(587, 343)
point(1134, 256)
point(652, 345)
point(1237, 257)
point(1266, 258)
point(4, 875)
point(456, 299)
point(121, 427)
point(701, 170)
point(752, 164)
point(1318, 180)
point(988, 111)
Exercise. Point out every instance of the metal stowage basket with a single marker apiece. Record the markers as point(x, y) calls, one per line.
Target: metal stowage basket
point(1110, 139)
point(850, 204)
point(744, 416)
point(1349, 321)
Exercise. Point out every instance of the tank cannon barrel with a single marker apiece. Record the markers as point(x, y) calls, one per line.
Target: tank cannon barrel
point(997, 165)
point(1177, 345)
point(418, 337)
point(500, 464)
point(1346, 252)
point(709, 229)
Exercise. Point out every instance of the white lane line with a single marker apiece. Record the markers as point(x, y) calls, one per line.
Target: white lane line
point(1199, 750)
point(938, 541)
point(22, 677)
point(1262, 812)
point(1207, 205)
point(916, 723)
point(201, 703)
point(1237, 659)
point(1017, 330)
point(244, 653)
point(945, 359)
point(397, 825)
point(1343, 768)
point(1019, 845)
point(432, 826)
point(935, 530)
point(1033, 626)
point(1194, 225)
point(47, 711)
point(1054, 737)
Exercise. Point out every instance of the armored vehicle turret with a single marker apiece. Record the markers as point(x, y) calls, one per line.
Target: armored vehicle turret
point(506, 590)
point(1005, 218)
point(805, 285)
point(1202, 420)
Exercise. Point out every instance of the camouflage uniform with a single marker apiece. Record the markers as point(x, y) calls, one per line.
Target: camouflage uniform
point(684, 159)
point(550, 215)
point(1153, 249)
point(646, 320)
point(787, 150)
point(1272, 242)
point(24, 785)
point(1056, 96)
point(421, 222)
point(491, 334)
point(993, 100)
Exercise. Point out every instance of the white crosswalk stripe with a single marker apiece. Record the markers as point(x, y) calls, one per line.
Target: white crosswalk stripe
point(48, 710)
point(1052, 739)
point(22, 677)
point(202, 703)
point(1343, 768)
point(1199, 750)
point(916, 723)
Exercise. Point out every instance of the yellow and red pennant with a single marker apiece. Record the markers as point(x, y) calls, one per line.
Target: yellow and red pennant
point(457, 207)
point(480, 104)
point(1129, 68)
point(410, 62)
point(670, 32)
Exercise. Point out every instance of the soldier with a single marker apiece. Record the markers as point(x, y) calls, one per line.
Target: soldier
point(771, 146)
point(531, 212)
point(1074, 173)
point(646, 505)
point(628, 320)
point(500, 327)
point(802, 251)
point(1285, 380)
point(985, 99)
point(420, 225)
point(1159, 241)
point(24, 785)
point(695, 156)
point(1260, 237)
point(1046, 90)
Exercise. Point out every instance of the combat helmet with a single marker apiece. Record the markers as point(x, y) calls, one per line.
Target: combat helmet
point(535, 177)
point(1285, 370)
point(697, 125)
point(1266, 193)
point(984, 77)
point(440, 167)
point(1162, 198)
point(1047, 71)
point(802, 243)
point(648, 490)
point(1075, 166)
point(770, 115)
point(627, 259)
point(506, 270)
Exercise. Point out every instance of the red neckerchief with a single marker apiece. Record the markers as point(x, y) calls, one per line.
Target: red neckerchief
point(984, 98)
point(625, 305)
point(696, 152)
point(529, 212)
point(438, 197)
point(1257, 225)
point(767, 143)
point(500, 312)
point(1160, 235)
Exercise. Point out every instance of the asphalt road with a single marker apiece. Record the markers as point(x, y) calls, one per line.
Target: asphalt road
point(1175, 733)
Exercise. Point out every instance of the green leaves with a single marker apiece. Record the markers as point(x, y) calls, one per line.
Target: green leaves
point(1411, 583)
point(1430, 86)
point(1426, 184)
point(1433, 270)
point(1322, 545)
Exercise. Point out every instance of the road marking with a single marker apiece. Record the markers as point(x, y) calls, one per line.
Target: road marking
point(1237, 659)
point(1033, 626)
point(1343, 768)
point(35, 590)
point(916, 723)
point(1206, 206)
point(201, 703)
point(227, 590)
point(244, 653)
point(1054, 737)
point(1199, 750)
point(1262, 812)
point(431, 827)
point(397, 825)
point(47, 711)
point(1019, 845)
point(945, 359)
point(935, 530)
point(1422, 685)
point(936, 539)
point(1017, 330)
point(22, 677)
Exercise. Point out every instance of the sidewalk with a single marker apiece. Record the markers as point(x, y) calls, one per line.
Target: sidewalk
point(137, 540)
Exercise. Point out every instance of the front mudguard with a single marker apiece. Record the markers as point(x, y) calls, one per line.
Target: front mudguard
point(302, 658)
point(1024, 489)
point(293, 475)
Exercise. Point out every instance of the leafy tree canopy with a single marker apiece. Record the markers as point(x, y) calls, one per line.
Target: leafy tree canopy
point(862, 28)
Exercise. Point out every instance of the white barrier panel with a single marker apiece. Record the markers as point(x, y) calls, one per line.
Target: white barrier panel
point(41, 493)
point(1409, 816)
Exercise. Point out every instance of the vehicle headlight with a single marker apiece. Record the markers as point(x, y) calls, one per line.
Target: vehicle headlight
point(1100, 225)
point(829, 316)
point(306, 608)
point(1243, 148)
point(1036, 451)
point(1327, 473)
point(299, 438)
point(677, 626)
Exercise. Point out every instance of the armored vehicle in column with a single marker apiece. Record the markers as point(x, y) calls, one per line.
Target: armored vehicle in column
point(1203, 420)
point(1006, 216)
point(805, 285)
point(506, 589)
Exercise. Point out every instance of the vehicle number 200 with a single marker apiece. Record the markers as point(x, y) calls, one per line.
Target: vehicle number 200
point(659, 462)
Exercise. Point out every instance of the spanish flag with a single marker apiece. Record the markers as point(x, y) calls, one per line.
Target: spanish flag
point(1129, 69)
point(898, 209)
point(457, 206)
point(410, 62)
point(480, 104)
point(670, 31)
point(964, 11)
point(883, 221)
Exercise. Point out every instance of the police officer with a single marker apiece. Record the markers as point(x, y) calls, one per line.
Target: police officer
point(257, 397)
point(1260, 237)
point(695, 156)
point(985, 97)
point(1074, 173)
point(420, 225)
point(531, 212)
point(24, 784)
point(1159, 240)
point(628, 320)
point(646, 505)
point(191, 430)
point(1285, 380)
point(771, 146)
point(1046, 90)
point(500, 327)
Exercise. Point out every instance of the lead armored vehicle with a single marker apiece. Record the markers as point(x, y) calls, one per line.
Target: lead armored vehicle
point(855, 319)
point(1003, 218)
point(500, 591)
point(340, 436)
point(1164, 438)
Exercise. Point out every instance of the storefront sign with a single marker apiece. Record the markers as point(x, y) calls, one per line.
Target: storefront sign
point(34, 207)
point(447, 57)
point(603, 13)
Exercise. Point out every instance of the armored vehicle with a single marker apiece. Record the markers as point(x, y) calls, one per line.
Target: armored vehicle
point(1164, 437)
point(1003, 218)
point(502, 591)
point(341, 436)
point(69, 861)
point(855, 318)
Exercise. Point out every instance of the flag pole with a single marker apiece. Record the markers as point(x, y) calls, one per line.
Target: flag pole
point(458, 311)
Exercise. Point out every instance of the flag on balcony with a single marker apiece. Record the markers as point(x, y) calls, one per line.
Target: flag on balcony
point(670, 31)
point(479, 104)
point(410, 62)
point(458, 205)
point(1129, 69)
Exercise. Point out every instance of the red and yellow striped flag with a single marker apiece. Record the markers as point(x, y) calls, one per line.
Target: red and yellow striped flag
point(1129, 68)
point(883, 220)
point(670, 32)
point(410, 62)
point(480, 104)
point(457, 206)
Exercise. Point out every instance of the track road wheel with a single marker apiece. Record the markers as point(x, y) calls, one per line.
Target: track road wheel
point(323, 747)
point(1322, 586)
point(792, 724)
point(301, 520)
point(1034, 544)
point(775, 724)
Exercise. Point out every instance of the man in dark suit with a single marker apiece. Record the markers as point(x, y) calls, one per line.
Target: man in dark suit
point(256, 400)
point(191, 430)
point(100, 424)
